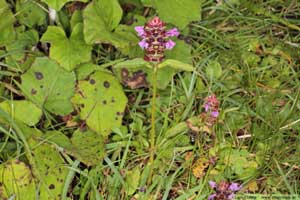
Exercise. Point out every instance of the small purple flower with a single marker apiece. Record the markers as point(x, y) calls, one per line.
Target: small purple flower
point(212, 196)
point(172, 32)
point(215, 114)
point(206, 107)
point(143, 44)
point(212, 184)
point(170, 44)
point(235, 187)
point(224, 190)
point(140, 30)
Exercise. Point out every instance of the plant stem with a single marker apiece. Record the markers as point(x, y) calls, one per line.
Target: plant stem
point(152, 131)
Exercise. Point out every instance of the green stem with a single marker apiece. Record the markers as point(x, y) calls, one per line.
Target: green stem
point(152, 131)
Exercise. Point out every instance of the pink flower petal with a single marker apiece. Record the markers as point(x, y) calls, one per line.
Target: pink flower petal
point(206, 107)
point(211, 197)
point(140, 30)
point(215, 113)
point(143, 44)
point(172, 32)
point(170, 44)
point(235, 187)
point(212, 184)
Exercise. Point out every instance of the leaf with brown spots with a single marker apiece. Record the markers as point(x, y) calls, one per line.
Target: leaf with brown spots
point(98, 100)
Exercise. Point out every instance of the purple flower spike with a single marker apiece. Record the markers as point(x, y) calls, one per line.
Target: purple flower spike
point(172, 32)
point(170, 44)
point(140, 30)
point(235, 187)
point(212, 184)
point(215, 113)
point(231, 196)
point(211, 197)
point(143, 44)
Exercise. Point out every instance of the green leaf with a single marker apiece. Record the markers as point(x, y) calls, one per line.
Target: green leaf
point(101, 102)
point(138, 62)
point(132, 180)
point(6, 26)
point(22, 110)
point(179, 13)
point(18, 56)
point(175, 64)
point(181, 52)
point(30, 13)
point(49, 86)
point(214, 70)
point(58, 4)
point(68, 52)
point(100, 19)
point(87, 147)
point(51, 168)
point(16, 180)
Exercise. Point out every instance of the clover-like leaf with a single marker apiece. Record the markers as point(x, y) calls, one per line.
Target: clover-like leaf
point(16, 180)
point(101, 102)
point(58, 4)
point(100, 20)
point(49, 86)
point(6, 26)
point(68, 52)
point(30, 13)
point(22, 110)
point(51, 169)
point(179, 13)
point(87, 147)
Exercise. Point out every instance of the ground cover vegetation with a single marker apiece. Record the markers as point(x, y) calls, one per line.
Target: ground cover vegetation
point(149, 99)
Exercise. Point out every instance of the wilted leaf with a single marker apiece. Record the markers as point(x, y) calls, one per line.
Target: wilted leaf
point(16, 181)
point(68, 52)
point(22, 110)
point(49, 86)
point(101, 102)
point(200, 166)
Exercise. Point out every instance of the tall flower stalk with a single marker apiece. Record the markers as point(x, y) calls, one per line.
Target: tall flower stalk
point(155, 40)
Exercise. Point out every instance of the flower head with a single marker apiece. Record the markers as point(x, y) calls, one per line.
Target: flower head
point(224, 190)
point(155, 39)
point(211, 109)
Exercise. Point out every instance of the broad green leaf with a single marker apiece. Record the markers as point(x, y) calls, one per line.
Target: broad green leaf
point(68, 52)
point(51, 169)
point(6, 26)
point(87, 147)
point(101, 17)
point(49, 86)
point(178, 12)
point(214, 70)
point(101, 102)
point(132, 180)
point(175, 64)
point(22, 110)
point(58, 4)
point(16, 180)
point(30, 13)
